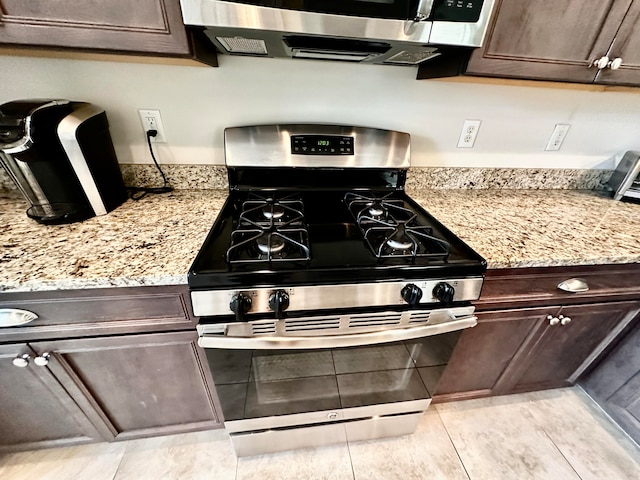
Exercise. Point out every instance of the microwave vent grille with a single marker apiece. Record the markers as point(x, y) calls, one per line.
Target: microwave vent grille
point(412, 57)
point(243, 45)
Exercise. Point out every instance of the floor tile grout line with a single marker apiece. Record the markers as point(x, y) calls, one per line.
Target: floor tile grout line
point(353, 472)
point(530, 405)
point(560, 452)
point(464, 467)
point(115, 474)
point(237, 464)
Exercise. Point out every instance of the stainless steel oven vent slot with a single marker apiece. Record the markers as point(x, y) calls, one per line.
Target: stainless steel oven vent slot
point(419, 318)
point(263, 328)
point(308, 324)
point(373, 320)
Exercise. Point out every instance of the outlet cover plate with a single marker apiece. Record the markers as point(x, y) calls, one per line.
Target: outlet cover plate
point(469, 133)
point(151, 120)
point(557, 137)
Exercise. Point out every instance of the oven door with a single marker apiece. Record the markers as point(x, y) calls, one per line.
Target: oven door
point(279, 392)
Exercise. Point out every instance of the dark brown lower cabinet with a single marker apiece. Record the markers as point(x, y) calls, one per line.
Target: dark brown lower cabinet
point(35, 410)
point(561, 352)
point(104, 388)
point(485, 351)
point(519, 350)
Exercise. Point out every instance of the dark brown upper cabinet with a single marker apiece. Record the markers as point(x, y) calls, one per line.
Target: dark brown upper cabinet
point(143, 27)
point(583, 41)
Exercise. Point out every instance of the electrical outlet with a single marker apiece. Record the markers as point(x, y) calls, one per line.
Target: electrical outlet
point(151, 120)
point(557, 137)
point(469, 132)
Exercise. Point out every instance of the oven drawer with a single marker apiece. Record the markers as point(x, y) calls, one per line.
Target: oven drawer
point(277, 440)
point(270, 441)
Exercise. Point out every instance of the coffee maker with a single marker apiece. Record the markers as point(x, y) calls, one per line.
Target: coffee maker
point(60, 156)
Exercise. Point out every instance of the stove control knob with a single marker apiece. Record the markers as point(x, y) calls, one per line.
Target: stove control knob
point(240, 304)
point(443, 292)
point(279, 302)
point(412, 294)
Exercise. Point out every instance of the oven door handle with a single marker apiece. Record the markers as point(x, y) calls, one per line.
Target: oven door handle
point(333, 341)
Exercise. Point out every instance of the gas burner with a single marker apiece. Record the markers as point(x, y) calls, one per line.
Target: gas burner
point(273, 211)
point(270, 244)
point(391, 230)
point(399, 244)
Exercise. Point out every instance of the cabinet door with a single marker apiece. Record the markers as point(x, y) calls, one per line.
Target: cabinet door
point(615, 383)
point(484, 352)
point(625, 404)
point(626, 46)
point(563, 352)
point(137, 385)
point(548, 39)
point(35, 411)
point(152, 26)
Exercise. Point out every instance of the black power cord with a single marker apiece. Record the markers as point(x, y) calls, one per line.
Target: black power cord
point(139, 192)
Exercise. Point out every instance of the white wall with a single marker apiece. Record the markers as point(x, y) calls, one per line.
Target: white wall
point(197, 103)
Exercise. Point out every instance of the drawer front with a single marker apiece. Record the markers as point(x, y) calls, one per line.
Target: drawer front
point(77, 313)
point(528, 287)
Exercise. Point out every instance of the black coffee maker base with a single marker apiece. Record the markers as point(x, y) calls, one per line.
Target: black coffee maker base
point(58, 213)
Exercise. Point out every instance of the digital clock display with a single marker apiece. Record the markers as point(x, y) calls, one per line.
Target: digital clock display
point(322, 145)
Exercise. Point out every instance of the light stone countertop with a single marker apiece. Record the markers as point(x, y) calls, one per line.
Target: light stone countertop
point(153, 241)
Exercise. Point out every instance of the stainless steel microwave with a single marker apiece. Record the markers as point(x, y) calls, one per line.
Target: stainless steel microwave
point(397, 32)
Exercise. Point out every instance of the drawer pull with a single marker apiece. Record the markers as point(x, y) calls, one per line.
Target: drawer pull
point(42, 360)
point(574, 285)
point(22, 360)
point(564, 320)
point(13, 317)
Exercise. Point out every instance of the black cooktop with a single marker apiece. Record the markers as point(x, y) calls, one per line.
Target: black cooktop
point(320, 237)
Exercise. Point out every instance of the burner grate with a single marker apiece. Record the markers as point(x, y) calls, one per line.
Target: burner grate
point(269, 212)
point(270, 229)
point(391, 230)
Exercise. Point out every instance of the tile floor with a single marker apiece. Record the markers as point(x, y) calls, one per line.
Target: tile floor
point(557, 434)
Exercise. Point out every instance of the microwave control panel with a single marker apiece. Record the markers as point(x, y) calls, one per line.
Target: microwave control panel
point(457, 10)
point(322, 145)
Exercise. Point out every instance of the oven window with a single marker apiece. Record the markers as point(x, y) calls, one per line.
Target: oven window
point(263, 383)
point(391, 9)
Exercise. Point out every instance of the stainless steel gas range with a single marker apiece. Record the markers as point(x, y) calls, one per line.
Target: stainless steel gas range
point(329, 301)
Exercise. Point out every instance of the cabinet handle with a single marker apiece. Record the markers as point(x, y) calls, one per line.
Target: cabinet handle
point(574, 285)
point(42, 360)
point(14, 317)
point(22, 360)
point(601, 62)
point(564, 320)
point(553, 321)
point(615, 64)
